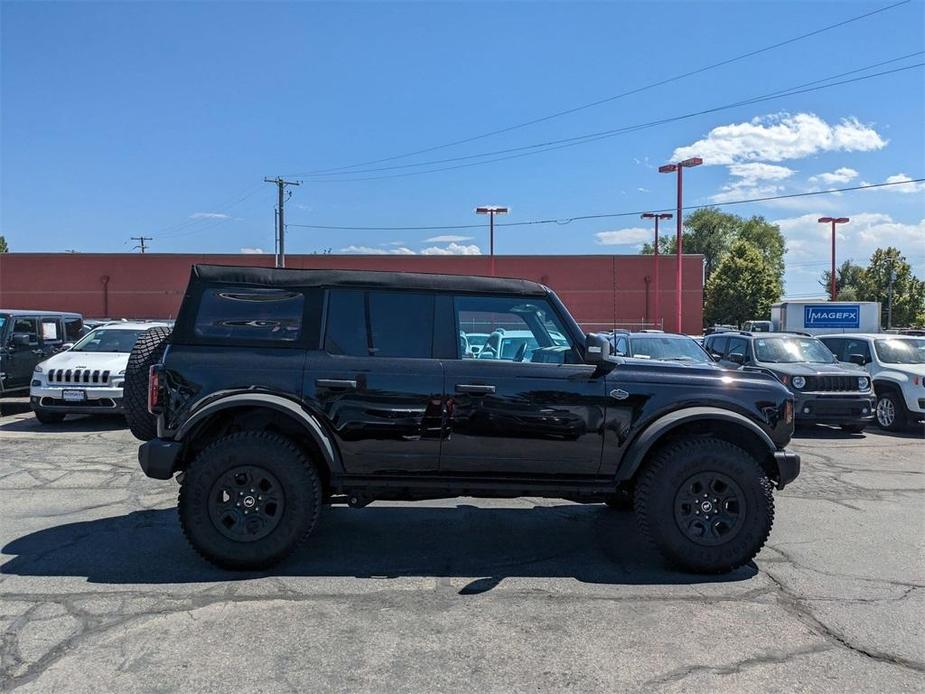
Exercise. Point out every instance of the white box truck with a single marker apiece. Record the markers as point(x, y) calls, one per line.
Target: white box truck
point(826, 317)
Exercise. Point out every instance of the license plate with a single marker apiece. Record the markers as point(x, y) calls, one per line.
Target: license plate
point(72, 395)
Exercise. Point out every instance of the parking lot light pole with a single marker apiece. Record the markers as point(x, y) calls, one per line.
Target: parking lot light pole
point(491, 211)
point(833, 221)
point(656, 216)
point(679, 168)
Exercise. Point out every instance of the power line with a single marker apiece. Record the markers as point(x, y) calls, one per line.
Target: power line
point(635, 213)
point(614, 97)
point(542, 147)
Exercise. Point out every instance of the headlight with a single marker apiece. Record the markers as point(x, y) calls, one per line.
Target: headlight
point(863, 383)
point(798, 382)
point(38, 369)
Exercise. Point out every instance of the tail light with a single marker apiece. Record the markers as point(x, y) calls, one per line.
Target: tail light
point(154, 390)
point(788, 411)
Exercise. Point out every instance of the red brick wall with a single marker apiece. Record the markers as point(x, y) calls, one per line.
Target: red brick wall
point(599, 290)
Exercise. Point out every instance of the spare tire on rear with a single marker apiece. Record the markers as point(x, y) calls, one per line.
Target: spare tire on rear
point(148, 350)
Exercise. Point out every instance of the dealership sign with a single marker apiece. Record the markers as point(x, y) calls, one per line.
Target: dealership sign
point(828, 316)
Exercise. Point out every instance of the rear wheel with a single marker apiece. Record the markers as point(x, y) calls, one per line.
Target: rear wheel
point(46, 417)
point(148, 350)
point(705, 504)
point(248, 499)
point(891, 411)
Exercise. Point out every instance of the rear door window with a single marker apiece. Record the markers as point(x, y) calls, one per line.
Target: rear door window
point(737, 345)
point(51, 331)
point(250, 314)
point(717, 345)
point(73, 328)
point(380, 324)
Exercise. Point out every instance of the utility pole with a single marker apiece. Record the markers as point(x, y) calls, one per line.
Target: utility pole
point(889, 304)
point(679, 241)
point(281, 224)
point(141, 241)
point(833, 221)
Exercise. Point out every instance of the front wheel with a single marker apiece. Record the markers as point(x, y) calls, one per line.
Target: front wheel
point(891, 411)
point(853, 428)
point(248, 499)
point(705, 504)
point(46, 417)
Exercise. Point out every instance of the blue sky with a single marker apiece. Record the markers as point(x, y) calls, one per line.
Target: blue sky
point(121, 119)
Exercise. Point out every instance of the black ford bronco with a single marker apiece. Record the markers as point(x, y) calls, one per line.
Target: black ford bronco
point(281, 391)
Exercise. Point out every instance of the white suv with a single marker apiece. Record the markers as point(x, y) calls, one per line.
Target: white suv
point(87, 378)
point(896, 363)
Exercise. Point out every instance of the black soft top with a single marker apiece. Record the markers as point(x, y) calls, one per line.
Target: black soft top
point(289, 277)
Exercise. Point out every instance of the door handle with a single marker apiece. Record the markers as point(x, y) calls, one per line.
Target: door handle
point(336, 383)
point(474, 389)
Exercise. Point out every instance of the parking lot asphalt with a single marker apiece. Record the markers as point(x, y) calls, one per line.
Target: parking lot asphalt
point(99, 591)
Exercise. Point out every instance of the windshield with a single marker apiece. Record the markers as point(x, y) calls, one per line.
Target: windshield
point(905, 351)
point(667, 349)
point(477, 339)
point(103, 340)
point(791, 350)
point(511, 345)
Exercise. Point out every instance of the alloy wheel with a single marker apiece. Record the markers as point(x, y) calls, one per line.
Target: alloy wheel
point(709, 508)
point(246, 503)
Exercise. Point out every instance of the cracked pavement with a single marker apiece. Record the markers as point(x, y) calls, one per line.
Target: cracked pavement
point(99, 592)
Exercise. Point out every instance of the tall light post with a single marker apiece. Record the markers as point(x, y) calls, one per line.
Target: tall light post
point(656, 216)
point(491, 211)
point(833, 221)
point(679, 168)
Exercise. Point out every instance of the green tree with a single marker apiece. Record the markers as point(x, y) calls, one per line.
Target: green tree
point(743, 287)
point(908, 290)
point(710, 232)
point(3, 247)
point(849, 281)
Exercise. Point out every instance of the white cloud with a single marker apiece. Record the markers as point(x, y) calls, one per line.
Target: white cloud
point(453, 249)
point(209, 215)
point(253, 251)
point(809, 244)
point(624, 237)
point(808, 239)
point(643, 190)
point(752, 180)
point(899, 178)
point(778, 137)
point(841, 175)
point(369, 250)
point(447, 238)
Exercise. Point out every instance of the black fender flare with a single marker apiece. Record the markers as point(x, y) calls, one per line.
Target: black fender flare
point(643, 443)
point(274, 402)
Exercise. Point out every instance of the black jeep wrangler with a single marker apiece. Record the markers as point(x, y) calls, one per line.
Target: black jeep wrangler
point(281, 391)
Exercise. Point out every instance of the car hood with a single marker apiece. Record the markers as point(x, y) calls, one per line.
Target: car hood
point(807, 369)
point(911, 369)
point(105, 361)
point(673, 362)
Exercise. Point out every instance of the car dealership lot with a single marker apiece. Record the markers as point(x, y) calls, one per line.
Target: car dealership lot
point(99, 590)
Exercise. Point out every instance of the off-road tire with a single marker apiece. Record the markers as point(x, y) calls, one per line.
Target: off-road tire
point(148, 350)
point(662, 478)
point(272, 453)
point(46, 417)
point(900, 415)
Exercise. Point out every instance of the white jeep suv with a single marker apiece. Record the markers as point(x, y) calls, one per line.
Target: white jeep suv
point(896, 364)
point(87, 378)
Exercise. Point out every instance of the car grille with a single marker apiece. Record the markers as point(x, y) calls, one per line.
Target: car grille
point(831, 384)
point(78, 376)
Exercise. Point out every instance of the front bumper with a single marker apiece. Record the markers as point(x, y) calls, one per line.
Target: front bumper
point(98, 400)
point(158, 458)
point(838, 408)
point(788, 467)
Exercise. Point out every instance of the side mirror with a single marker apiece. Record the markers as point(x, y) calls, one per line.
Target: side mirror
point(736, 358)
point(597, 349)
point(857, 359)
point(21, 341)
point(65, 347)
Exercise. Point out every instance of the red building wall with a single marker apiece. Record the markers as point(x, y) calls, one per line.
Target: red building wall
point(601, 291)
